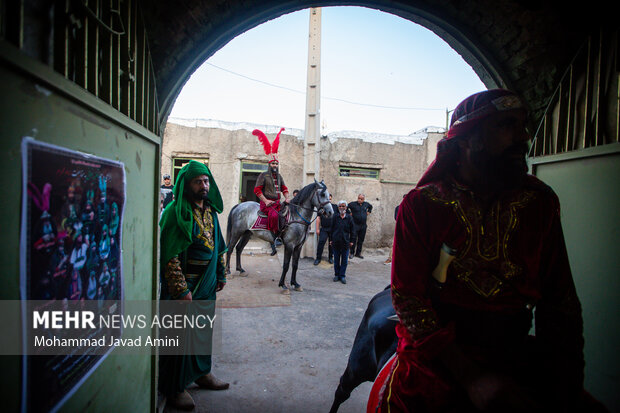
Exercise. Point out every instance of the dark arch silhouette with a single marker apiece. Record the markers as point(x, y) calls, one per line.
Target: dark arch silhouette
point(518, 44)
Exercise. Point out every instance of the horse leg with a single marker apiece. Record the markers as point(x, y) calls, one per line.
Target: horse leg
point(287, 259)
point(296, 253)
point(362, 364)
point(375, 342)
point(343, 392)
point(361, 367)
point(349, 381)
point(243, 241)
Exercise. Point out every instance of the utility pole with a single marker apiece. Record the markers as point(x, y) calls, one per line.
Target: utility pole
point(312, 133)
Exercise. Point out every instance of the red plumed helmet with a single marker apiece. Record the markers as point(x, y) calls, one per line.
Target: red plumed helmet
point(271, 149)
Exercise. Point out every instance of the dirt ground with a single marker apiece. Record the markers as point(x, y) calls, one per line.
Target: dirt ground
point(286, 354)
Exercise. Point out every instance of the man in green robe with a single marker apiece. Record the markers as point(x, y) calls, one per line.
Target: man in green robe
point(192, 268)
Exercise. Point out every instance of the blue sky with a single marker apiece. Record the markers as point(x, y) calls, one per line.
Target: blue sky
point(397, 77)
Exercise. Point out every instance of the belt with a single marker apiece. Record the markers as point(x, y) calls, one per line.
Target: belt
point(198, 262)
point(195, 268)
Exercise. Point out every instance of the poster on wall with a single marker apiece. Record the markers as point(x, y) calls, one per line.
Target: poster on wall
point(72, 214)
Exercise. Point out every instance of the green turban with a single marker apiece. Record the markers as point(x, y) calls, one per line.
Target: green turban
point(176, 221)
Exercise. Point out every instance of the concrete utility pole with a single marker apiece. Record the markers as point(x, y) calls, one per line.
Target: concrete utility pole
point(312, 133)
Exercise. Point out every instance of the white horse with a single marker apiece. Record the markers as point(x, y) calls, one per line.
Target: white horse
point(311, 198)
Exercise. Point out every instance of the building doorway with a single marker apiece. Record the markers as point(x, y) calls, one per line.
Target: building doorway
point(249, 174)
point(178, 163)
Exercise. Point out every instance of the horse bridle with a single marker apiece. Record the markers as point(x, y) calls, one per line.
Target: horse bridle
point(318, 211)
point(321, 204)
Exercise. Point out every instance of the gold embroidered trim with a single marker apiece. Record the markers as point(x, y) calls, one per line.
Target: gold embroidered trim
point(175, 278)
point(483, 263)
point(417, 317)
point(204, 220)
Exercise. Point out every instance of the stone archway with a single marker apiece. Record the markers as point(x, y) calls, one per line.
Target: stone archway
point(523, 45)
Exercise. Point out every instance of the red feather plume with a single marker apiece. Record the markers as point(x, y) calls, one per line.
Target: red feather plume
point(276, 142)
point(262, 138)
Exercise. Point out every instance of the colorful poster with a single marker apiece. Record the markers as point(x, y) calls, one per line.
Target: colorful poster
point(72, 214)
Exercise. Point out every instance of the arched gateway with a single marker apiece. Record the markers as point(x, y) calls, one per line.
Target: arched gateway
point(101, 77)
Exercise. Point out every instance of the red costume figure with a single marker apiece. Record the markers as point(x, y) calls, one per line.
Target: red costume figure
point(270, 184)
point(478, 245)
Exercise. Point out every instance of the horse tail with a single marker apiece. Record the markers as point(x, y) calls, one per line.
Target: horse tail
point(229, 224)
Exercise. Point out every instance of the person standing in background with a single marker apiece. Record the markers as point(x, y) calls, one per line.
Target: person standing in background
point(342, 229)
point(359, 210)
point(166, 191)
point(324, 231)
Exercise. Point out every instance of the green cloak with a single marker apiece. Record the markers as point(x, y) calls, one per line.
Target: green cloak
point(178, 238)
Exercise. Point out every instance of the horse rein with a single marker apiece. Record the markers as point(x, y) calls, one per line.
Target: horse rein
point(305, 221)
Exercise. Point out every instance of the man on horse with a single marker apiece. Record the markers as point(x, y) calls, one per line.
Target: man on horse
point(270, 185)
point(496, 233)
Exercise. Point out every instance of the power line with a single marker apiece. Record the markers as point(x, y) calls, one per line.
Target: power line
point(322, 97)
point(381, 106)
point(255, 80)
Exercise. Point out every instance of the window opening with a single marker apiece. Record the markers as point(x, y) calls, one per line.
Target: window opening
point(350, 172)
point(249, 174)
point(178, 163)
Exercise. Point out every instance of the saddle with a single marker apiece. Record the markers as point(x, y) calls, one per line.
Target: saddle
point(261, 220)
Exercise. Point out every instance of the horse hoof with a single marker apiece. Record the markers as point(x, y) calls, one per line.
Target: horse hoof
point(298, 288)
point(286, 291)
point(243, 274)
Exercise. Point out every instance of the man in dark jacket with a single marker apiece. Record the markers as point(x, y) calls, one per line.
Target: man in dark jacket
point(324, 231)
point(359, 210)
point(342, 230)
point(166, 191)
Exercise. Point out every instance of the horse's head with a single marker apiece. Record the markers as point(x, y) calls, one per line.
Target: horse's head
point(323, 204)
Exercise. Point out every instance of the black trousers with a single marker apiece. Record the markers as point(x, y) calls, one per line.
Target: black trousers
point(324, 235)
point(357, 238)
